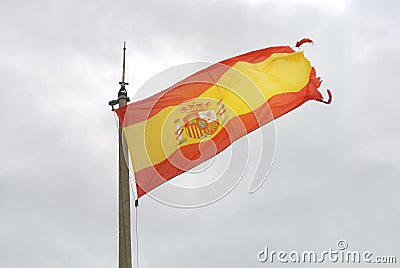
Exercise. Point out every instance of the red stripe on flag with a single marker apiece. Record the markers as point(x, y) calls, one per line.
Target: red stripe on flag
point(190, 87)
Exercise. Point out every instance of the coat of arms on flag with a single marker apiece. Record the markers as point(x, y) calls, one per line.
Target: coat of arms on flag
point(199, 119)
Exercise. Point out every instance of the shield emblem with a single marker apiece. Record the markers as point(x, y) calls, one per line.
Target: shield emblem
point(196, 128)
point(199, 119)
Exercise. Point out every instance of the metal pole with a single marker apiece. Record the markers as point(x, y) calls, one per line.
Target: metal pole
point(125, 258)
point(124, 247)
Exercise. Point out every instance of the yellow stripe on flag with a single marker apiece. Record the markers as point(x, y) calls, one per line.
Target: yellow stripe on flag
point(242, 89)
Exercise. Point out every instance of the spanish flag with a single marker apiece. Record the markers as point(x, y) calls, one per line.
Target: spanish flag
point(200, 116)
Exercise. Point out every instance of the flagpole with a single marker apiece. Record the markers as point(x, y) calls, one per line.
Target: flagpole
point(124, 239)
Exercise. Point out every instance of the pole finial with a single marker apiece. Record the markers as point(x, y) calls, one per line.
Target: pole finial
point(122, 90)
point(122, 93)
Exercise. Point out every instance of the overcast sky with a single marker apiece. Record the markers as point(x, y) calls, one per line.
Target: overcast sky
point(336, 171)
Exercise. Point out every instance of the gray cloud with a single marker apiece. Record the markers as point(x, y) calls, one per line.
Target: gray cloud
point(336, 171)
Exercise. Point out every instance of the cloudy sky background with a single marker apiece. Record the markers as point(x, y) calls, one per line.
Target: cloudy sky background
point(336, 172)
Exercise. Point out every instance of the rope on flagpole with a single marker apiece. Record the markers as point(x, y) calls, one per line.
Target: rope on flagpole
point(136, 220)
